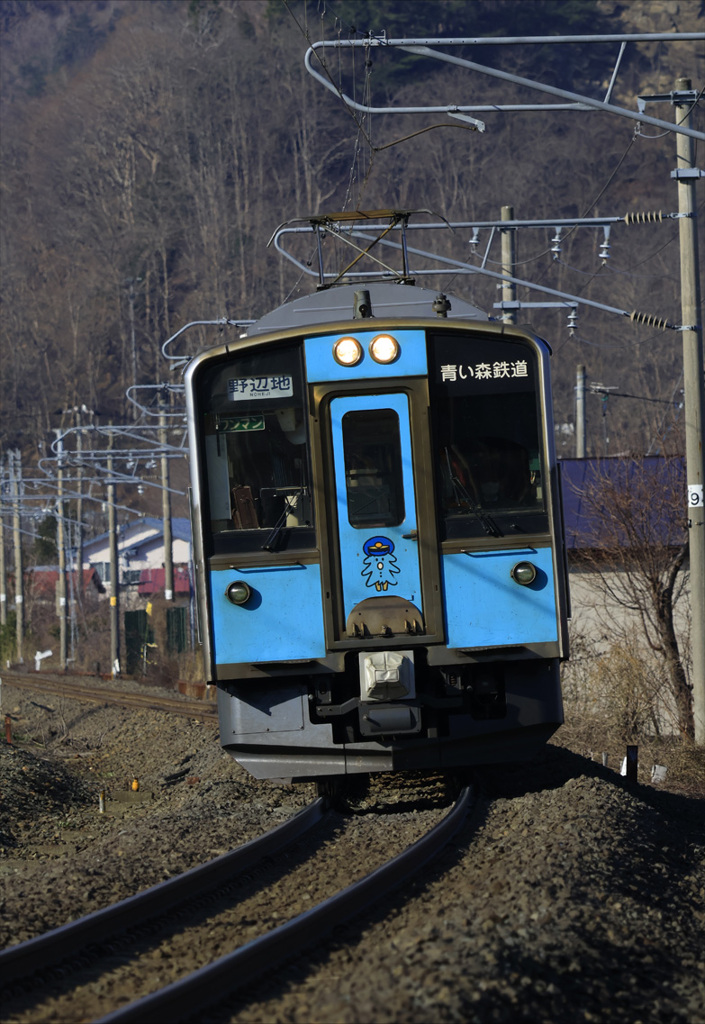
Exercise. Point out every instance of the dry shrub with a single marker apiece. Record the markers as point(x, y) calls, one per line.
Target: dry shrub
point(161, 672)
point(686, 768)
point(167, 670)
point(630, 691)
point(615, 696)
point(619, 685)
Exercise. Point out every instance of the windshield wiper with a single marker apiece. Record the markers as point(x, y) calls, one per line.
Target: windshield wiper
point(290, 503)
point(462, 496)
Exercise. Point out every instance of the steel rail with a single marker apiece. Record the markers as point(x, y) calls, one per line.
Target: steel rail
point(213, 982)
point(116, 698)
point(45, 950)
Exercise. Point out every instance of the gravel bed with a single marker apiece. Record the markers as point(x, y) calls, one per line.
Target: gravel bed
point(345, 849)
point(61, 858)
point(577, 903)
point(568, 897)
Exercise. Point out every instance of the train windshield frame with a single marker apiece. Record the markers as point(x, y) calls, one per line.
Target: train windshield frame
point(487, 436)
point(258, 493)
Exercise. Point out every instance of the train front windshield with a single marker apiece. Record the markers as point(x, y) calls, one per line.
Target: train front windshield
point(488, 451)
point(256, 449)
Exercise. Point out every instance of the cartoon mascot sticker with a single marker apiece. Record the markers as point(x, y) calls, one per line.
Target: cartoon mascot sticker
point(380, 565)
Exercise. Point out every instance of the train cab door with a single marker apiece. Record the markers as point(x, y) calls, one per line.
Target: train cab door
point(377, 504)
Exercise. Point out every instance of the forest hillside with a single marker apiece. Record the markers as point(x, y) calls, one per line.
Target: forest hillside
point(149, 151)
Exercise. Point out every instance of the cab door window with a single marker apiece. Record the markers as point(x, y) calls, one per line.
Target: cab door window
point(373, 468)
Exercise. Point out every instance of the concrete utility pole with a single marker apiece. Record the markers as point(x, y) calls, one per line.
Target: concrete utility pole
point(16, 465)
point(509, 258)
point(79, 512)
point(580, 413)
point(3, 568)
point(114, 573)
point(687, 175)
point(79, 412)
point(133, 343)
point(61, 607)
point(166, 502)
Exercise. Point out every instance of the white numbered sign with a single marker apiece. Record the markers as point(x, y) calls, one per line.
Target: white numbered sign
point(695, 495)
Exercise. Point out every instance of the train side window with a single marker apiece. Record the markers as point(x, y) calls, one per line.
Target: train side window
point(373, 473)
point(256, 453)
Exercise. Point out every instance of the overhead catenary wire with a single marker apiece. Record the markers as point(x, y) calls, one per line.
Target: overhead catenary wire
point(369, 40)
point(464, 267)
point(639, 217)
point(423, 47)
point(633, 315)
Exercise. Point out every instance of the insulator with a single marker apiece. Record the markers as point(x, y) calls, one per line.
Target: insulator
point(556, 247)
point(651, 321)
point(644, 217)
point(572, 320)
point(604, 253)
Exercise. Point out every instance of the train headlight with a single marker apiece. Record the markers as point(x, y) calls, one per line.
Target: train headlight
point(238, 592)
point(347, 351)
point(524, 573)
point(384, 348)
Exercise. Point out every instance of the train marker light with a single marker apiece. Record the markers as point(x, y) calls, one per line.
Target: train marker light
point(347, 351)
point(524, 573)
point(384, 348)
point(238, 592)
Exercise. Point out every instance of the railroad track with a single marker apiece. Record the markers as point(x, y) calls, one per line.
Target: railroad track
point(43, 953)
point(90, 692)
point(212, 982)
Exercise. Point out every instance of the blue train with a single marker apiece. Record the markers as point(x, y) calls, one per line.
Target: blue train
point(377, 534)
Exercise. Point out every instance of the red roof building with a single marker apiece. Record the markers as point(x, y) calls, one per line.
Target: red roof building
point(152, 581)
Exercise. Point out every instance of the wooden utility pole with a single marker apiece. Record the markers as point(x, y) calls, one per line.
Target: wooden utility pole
point(686, 175)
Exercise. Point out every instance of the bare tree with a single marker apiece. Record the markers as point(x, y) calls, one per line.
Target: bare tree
point(636, 545)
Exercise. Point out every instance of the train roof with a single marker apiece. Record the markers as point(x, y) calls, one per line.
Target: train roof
point(387, 300)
